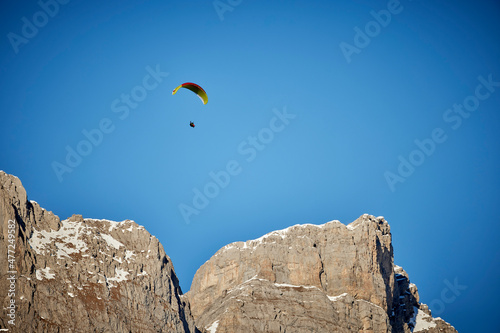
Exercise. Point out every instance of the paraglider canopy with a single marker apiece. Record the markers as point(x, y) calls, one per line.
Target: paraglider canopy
point(194, 88)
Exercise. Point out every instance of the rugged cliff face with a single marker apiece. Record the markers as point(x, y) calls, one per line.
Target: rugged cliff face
point(310, 278)
point(83, 275)
point(88, 275)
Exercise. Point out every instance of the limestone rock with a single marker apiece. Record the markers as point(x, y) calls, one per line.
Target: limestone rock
point(90, 275)
point(310, 278)
point(84, 275)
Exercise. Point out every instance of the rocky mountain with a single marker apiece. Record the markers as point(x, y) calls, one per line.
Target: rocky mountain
point(90, 275)
point(83, 275)
point(310, 278)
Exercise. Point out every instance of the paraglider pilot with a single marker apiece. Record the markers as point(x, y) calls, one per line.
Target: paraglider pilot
point(191, 124)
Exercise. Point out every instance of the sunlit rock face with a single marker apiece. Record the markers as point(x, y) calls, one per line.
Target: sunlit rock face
point(310, 278)
point(85, 275)
point(95, 275)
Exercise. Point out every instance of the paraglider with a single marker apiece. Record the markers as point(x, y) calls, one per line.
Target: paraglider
point(194, 88)
point(197, 90)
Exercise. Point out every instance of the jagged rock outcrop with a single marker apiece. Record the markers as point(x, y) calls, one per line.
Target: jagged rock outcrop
point(310, 278)
point(89, 275)
point(83, 275)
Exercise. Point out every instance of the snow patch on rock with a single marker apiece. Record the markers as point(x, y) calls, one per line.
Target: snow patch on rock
point(336, 298)
point(421, 321)
point(44, 273)
point(283, 233)
point(66, 239)
point(294, 286)
point(111, 241)
point(120, 275)
point(129, 254)
point(213, 327)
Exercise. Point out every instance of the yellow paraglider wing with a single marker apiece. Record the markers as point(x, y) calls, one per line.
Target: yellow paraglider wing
point(194, 88)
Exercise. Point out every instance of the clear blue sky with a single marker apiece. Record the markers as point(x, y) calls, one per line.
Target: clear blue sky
point(382, 111)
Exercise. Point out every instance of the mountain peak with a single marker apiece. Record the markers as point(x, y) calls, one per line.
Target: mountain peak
point(86, 274)
point(342, 276)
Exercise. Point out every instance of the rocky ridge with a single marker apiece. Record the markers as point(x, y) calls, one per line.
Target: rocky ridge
point(94, 275)
point(85, 275)
point(310, 278)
